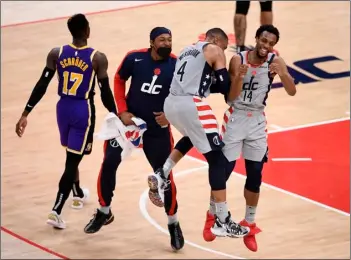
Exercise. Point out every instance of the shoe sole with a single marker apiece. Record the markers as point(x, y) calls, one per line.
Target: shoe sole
point(177, 249)
point(223, 233)
point(153, 182)
point(54, 224)
point(155, 199)
point(153, 185)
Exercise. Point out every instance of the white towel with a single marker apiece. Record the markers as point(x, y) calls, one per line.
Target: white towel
point(128, 137)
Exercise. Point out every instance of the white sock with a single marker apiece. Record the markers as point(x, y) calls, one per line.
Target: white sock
point(250, 214)
point(212, 208)
point(222, 211)
point(105, 210)
point(172, 219)
point(168, 166)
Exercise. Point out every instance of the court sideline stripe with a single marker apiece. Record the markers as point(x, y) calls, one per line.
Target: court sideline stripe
point(88, 13)
point(45, 249)
point(290, 128)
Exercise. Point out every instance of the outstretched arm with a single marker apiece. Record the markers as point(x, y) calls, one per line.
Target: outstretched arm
point(39, 89)
point(103, 80)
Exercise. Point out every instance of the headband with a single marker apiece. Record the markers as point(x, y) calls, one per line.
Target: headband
point(157, 31)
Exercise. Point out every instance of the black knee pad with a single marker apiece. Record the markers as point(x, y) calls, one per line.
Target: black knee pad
point(253, 175)
point(216, 169)
point(184, 145)
point(242, 7)
point(266, 6)
point(229, 167)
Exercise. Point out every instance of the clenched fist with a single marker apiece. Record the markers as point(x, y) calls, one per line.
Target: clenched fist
point(275, 69)
point(126, 118)
point(243, 70)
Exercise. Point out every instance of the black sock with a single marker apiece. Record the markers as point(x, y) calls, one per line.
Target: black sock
point(77, 190)
point(67, 180)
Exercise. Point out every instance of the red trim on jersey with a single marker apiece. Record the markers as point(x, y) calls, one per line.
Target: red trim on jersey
point(120, 85)
point(254, 65)
point(209, 126)
point(207, 117)
point(203, 108)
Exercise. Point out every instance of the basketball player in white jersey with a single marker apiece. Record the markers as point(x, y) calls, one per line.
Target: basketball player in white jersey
point(244, 126)
point(185, 108)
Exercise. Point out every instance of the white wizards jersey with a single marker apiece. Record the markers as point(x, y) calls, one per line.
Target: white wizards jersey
point(192, 75)
point(256, 85)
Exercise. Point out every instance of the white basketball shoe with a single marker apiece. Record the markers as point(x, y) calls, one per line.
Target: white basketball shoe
point(55, 220)
point(77, 202)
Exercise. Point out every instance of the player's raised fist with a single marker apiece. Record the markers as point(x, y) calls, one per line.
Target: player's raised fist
point(243, 70)
point(275, 69)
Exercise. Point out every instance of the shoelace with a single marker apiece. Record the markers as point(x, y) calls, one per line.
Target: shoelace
point(166, 183)
point(235, 228)
point(97, 216)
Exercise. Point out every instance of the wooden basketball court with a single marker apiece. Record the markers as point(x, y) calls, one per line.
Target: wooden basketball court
point(305, 202)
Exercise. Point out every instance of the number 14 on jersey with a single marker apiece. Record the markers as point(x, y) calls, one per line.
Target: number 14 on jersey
point(248, 87)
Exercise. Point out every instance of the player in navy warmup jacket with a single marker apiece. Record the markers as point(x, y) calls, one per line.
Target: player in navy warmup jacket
point(151, 72)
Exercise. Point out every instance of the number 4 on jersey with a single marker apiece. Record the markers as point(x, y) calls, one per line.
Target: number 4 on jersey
point(181, 71)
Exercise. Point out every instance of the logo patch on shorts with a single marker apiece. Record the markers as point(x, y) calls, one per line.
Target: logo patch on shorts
point(88, 148)
point(216, 140)
point(114, 143)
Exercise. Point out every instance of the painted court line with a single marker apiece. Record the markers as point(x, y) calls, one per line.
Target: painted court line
point(45, 249)
point(309, 125)
point(142, 206)
point(291, 159)
point(275, 126)
point(86, 13)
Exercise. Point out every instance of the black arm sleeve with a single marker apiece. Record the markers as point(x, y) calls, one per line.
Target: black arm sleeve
point(39, 89)
point(106, 95)
point(222, 84)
